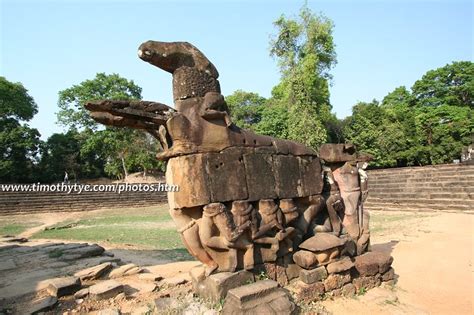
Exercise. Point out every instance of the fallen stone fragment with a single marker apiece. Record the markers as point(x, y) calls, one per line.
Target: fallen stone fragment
point(14, 240)
point(82, 252)
point(63, 286)
point(42, 304)
point(389, 275)
point(313, 275)
point(105, 290)
point(372, 263)
point(7, 264)
point(262, 297)
point(216, 286)
point(7, 247)
point(120, 271)
point(81, 293)
point(133, 271)
point(94, 272)
point(174, 281)
point(150, 277)
point(340, 266)
point(305, 259)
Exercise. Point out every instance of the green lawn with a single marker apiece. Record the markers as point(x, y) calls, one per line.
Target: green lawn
point(148, 228)
point(10, 228)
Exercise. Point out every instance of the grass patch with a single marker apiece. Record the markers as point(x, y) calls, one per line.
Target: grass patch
point(150, 228)
point(9, 228)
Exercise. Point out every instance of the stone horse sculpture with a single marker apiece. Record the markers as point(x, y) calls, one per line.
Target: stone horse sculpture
point(244, 199)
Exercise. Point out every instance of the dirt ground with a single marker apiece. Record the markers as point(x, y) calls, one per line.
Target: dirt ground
point(433, 254)
point(433, 258)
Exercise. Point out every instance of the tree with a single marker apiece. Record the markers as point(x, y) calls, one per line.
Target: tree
point(245, 108)
point(19, 144)
point(117, 151)
point(72, 113)
point(451, 85)
point(429, 125)
point(305, 51)
point(60, 154)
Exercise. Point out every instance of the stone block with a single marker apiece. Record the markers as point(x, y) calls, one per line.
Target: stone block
point(189, 174)
point(63, 286)
point(372, 263)
point(259, 175)
point(388, 275)
point(347, 290)
point(366, 282)
point(262, 297)
point(336, 281)
point(105, 290)
point(310, 174)
point(216, 286)
point(42, 305)
point(307, 292)
point(122, 271)
point(94, 272)
point(150, 277)
point(340, 265)
point(305, 259)
point(313, 275)
point(287, 176)
point(226, 173)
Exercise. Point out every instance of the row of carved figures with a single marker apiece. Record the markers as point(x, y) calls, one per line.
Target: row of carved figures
point(241, 234)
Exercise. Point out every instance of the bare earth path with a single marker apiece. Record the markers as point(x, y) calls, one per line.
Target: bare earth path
point(433, 259)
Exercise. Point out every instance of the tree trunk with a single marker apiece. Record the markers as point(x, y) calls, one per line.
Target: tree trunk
point(124, 167)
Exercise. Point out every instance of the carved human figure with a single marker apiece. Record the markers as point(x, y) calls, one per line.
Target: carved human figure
point(188, 227)
point(270, 229)
point(364, 216)
point(245, 220)
point(334, 202)
point(218, 234)
point(315, 205)
point(347, 178)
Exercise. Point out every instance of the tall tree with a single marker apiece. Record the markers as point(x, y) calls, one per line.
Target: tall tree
point(19, 144)
point(451, 85)
point(305, 51)
point(245, 108)
point(111, 148)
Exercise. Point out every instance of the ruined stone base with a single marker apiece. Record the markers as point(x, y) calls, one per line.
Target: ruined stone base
point(215, 287)
point(345, 277)
point(262, 297)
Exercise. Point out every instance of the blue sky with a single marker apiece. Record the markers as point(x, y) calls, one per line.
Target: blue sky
point(51, 45)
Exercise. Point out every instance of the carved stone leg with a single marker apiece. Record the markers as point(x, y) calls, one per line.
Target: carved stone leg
point(304, 220)
point(190, 237)
point(350, 221)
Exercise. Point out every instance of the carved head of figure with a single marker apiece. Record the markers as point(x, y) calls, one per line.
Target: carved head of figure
point(289, 210)
point(267, 209)
point(193, 74)
point(241, 211)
